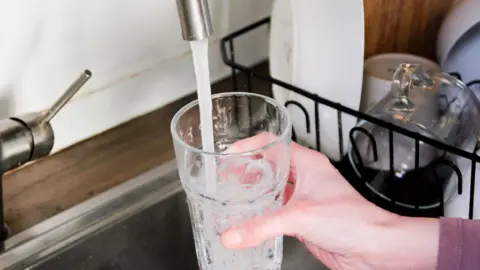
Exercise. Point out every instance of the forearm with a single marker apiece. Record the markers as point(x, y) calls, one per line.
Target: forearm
point(407, 243)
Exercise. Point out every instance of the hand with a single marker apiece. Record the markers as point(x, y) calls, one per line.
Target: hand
point(338, 226)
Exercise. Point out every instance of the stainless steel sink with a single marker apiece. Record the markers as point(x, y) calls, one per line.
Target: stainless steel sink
point(141, 225)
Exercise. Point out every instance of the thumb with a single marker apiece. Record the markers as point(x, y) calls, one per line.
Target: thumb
point(259, 229)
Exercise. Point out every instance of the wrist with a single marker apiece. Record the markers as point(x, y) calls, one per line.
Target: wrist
point(406, 243)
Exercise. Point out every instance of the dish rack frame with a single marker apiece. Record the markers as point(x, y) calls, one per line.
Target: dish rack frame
point(227, 47)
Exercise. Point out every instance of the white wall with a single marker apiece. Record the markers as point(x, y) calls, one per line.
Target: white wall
point(133, 47)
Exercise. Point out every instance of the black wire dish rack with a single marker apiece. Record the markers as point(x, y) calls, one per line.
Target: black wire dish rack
point(228, 55)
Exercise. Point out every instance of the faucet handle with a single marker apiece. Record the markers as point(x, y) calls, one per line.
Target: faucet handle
point(67, 95)
point(30, 136)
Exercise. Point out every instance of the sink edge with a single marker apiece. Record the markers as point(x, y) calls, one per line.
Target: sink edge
point(73, 224)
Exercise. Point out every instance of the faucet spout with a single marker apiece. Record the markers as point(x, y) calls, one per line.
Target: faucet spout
point(195, 19)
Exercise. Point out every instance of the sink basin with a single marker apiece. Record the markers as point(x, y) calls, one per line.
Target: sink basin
point(142, 224)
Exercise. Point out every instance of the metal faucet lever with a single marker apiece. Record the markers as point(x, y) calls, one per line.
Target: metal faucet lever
point(67, 95)
point(28, 137)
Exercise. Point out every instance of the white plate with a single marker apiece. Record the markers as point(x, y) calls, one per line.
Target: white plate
point(321, 51)
point(328, 55)
point(281, 45)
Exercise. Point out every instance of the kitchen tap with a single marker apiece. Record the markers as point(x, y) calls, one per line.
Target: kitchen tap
point(194, 19)
point(30, 136)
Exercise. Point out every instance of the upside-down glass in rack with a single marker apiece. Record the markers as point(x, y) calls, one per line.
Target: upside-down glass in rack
point(405, 170)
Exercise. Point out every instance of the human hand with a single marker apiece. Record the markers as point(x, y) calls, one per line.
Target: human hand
point(338, 226)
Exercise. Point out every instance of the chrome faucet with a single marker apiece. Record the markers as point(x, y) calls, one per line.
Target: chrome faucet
point(195, 19)
point(28, 137)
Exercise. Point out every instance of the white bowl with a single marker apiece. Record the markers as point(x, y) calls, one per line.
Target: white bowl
point(459, 205)
point(458, 21)
point(458, 50)
point(463, 59)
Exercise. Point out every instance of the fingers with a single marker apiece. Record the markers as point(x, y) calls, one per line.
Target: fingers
point(266, 138)
point(302, 160)
point(289, 189)
point(252, 143)
point(259, 229)
point(300, 156)
point(270, 156)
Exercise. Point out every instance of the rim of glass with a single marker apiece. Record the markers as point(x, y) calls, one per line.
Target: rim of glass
point(454, 81)
point(194, 103)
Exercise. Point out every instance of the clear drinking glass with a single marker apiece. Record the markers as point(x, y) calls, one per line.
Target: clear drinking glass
point(244, 184)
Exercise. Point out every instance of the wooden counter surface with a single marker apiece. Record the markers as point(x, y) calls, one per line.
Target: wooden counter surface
point(45, 188)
